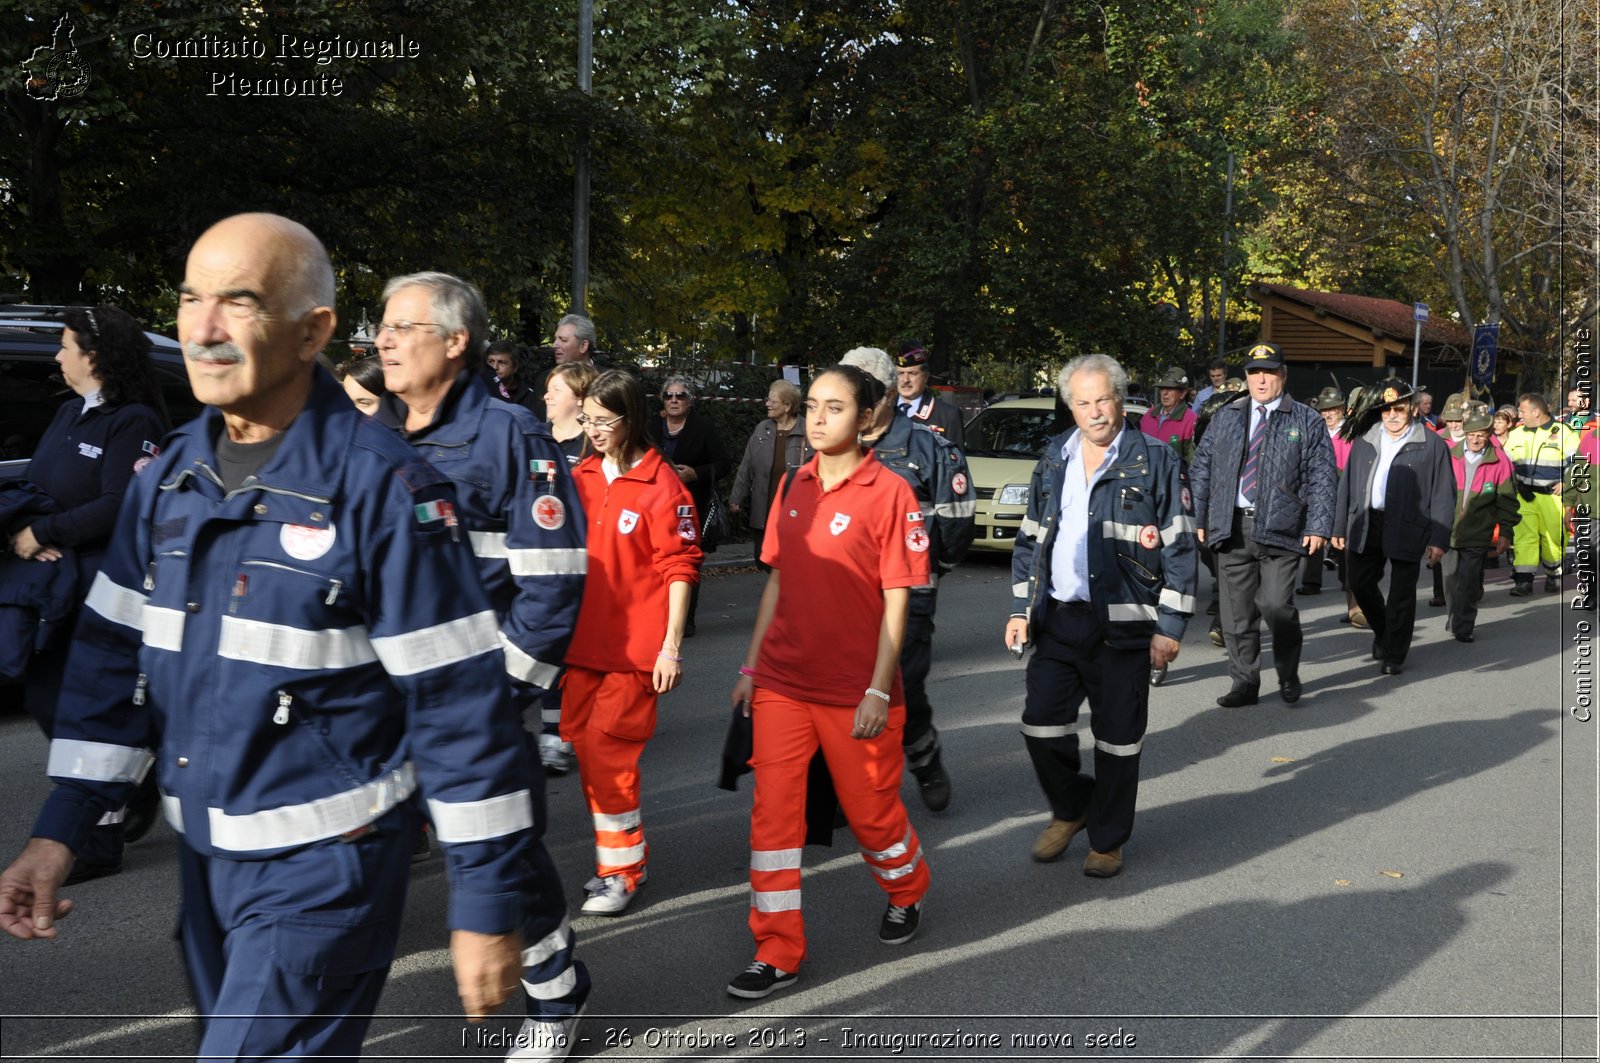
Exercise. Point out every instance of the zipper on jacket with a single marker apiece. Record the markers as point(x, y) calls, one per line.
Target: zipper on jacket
point(282, 715)
point(138, 688)
point(334, 585)
point(333, 592)
point(150, 576)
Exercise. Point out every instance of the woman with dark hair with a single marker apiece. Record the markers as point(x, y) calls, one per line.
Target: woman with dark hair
point(691, 442)
point(644, 557)
point(83, 464)
point(363, 382)
point(846, 542)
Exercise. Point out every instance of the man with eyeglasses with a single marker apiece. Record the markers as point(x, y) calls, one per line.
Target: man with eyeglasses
point(1395, 506)
point(287, 621)
point(518, 507)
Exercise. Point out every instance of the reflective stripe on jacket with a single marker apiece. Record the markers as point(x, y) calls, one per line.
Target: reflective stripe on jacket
point(1143, 560)
point(303, 653)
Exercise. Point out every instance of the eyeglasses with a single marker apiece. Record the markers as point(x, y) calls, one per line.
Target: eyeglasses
point(605, 424)
point(405, 328)
point(676, 396)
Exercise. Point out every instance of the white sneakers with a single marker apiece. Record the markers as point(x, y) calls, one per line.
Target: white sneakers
point(555, 756)
point(545, 1040)
point(610, 895)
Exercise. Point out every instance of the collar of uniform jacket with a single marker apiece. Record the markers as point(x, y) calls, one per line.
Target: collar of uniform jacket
point(459, 414)
point(313, 447)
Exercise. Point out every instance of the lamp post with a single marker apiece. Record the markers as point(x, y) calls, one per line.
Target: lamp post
point(580, 162)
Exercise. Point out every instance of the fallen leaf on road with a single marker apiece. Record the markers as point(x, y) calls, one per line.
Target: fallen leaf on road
point(1283, 760)
point(1341, 882)
point(1392, 874)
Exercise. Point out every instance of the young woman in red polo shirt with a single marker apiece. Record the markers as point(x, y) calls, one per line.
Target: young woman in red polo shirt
point(846, 541)
point(644, 556)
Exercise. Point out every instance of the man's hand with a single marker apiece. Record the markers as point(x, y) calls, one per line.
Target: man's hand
point(1312, 543)
point(1016, 631)
point(1433, 554)
point(1200, 533)
point(686, 473)
point(1499, 548)
point(28, 905)
point(1163, 651)
point(488, 969)
point(1337, 542)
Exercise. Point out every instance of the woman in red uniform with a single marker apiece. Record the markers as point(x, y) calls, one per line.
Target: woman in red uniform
point(846, 541)
point(644, 557)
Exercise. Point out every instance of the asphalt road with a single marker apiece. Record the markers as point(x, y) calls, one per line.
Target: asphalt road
point(1393, 868)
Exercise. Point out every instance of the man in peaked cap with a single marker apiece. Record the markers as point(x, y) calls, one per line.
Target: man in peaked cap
point(917, 400)
point(1263, 484)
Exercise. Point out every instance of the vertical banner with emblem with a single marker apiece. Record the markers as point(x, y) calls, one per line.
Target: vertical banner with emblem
point(1485, 338)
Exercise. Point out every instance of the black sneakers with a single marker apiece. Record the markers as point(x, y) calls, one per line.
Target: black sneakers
point(900, 924)
point(934, 785)
point(759, 980)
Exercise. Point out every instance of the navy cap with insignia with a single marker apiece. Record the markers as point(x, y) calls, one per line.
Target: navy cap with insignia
point(1263, 356)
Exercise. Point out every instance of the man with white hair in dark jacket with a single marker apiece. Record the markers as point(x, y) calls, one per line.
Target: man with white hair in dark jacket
point(1103, 575)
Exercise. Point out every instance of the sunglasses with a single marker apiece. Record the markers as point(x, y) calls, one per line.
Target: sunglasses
point(676, 396)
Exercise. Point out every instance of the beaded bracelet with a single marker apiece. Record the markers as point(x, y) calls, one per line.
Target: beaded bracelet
point(751, 672)
point(669, 656)
point(875, 692)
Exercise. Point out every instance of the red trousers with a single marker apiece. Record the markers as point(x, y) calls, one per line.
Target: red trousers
point(866, 776)
point(607, 716)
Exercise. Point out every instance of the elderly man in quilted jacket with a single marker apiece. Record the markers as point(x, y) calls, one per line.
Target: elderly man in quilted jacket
point(1263, 481)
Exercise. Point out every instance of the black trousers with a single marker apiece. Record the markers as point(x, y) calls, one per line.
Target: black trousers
point(1072, 663)
point(1391, 619)
point(920, 740)
point(1463, 586)
point(1258, 585)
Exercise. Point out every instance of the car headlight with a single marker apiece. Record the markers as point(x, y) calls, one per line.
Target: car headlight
point(1012, 495)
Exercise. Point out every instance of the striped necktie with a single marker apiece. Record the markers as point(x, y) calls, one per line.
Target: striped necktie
point(1252, 458)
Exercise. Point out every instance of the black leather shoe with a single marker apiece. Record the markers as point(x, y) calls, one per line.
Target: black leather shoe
point(1464, 638)
point(1389, 669)
point(1308, 589)
point(85, 872)
point(1289, 690)
point(1239, 696)
point(1377, 651)
point(1436, 601)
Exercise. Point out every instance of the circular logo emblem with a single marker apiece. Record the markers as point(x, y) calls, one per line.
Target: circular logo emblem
point(917, 540)
point(549, 512)
point(958, 483)
point(305, 543)
point(1149, 538)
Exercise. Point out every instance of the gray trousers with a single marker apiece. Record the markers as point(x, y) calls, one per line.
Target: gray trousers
point(1258, 585)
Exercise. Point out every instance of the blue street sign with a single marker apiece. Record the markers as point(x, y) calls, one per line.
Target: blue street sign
point(1485, 338)
point(1419, 311)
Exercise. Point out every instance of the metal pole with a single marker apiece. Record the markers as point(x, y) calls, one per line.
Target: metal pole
point(580, 162)
point(1222, 301)
point(1416, 354)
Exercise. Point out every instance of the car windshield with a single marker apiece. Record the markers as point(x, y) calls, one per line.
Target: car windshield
point(1010, 432)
